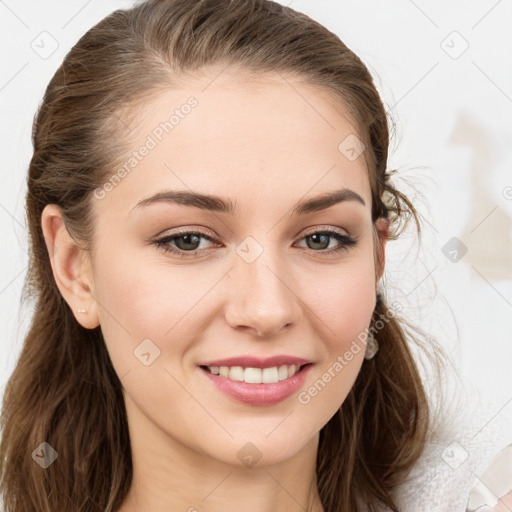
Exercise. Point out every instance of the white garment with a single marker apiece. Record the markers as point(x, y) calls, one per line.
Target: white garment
point(494, 484)
point(471, 437)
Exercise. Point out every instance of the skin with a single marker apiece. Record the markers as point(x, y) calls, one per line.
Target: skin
point(265, 145)
point(504, 504)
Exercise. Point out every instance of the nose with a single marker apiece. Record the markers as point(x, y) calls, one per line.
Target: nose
point(262, 299)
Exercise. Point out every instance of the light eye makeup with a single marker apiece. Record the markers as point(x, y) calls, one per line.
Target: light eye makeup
point(318, 241)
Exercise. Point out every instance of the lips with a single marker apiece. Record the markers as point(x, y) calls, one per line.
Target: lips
point(258, 394)
point(257, 362)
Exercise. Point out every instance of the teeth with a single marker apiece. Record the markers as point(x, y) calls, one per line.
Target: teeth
point(283, 372)
point(236, 373)
point(270, 375)
point(252, 375)
point(255, 375)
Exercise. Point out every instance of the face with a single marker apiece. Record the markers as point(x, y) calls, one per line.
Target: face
point(179, 286)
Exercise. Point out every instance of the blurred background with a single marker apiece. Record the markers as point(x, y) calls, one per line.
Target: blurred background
point(443, 71)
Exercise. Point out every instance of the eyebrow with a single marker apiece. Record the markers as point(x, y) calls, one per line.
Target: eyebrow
point(218, 204)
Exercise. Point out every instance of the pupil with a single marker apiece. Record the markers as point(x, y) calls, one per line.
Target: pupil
point(316, 239)
point(187, 239)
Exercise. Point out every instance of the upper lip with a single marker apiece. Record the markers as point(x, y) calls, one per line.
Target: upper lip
point(258, 362)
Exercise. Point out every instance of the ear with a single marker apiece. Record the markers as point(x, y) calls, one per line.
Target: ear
point(382, 227)
point(71, 267)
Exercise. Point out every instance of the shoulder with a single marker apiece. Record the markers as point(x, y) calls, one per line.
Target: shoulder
point(465, 443)
point(494, 483)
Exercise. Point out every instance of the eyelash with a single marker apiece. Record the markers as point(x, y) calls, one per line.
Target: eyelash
point(163, 243)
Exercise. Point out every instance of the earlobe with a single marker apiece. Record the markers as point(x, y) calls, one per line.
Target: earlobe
point(70, 266)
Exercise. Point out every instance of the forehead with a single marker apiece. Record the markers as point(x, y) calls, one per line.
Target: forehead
point(236, 134)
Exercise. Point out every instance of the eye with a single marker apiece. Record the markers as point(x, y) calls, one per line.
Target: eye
point(321, 240)
point(188, 243)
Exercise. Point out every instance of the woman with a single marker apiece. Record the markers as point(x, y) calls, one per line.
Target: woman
point(209, 206)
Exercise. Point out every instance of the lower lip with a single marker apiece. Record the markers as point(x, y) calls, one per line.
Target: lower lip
point(259, 394)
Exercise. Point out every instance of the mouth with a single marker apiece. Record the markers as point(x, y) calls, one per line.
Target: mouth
point(253, 375)
point(257, 383)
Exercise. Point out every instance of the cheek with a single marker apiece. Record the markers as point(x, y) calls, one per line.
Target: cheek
point(344, 299)
point(141, 298)
point(147, 319)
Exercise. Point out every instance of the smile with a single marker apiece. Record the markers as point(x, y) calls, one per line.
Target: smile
point(250, 375)
point(257, 386)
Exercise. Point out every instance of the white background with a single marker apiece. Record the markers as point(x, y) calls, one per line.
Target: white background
point(453, 144)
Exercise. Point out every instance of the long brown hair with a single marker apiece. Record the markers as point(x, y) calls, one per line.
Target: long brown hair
point(64, 390)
